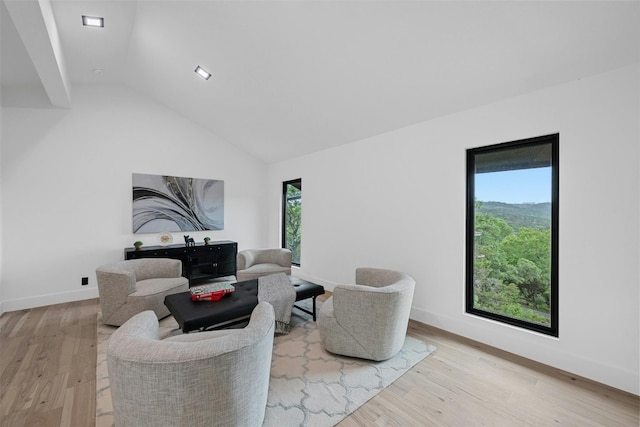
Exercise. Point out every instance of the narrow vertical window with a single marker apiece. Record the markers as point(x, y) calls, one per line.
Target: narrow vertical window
point(292, 217)
point(512, 233)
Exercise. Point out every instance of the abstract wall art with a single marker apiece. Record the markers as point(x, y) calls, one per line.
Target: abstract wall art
point(171, 203)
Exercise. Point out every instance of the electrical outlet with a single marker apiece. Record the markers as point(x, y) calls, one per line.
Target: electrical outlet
point(85, 281)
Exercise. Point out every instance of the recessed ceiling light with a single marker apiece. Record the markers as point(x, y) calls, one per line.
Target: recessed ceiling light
point(92, 21)
point(203, 73)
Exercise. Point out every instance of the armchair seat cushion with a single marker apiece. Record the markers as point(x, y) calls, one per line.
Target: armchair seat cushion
point(260, 270)
point(149, 287)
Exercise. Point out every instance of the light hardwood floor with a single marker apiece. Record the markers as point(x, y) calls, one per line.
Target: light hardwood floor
point(48, 358)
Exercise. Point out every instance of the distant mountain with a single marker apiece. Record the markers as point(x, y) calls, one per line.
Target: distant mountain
point(518, 215)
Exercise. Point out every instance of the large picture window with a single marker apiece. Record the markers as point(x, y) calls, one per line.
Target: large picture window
point(292, 218)
point(512, 233)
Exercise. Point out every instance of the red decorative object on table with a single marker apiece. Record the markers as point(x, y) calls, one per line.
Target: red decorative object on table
point(212, 292)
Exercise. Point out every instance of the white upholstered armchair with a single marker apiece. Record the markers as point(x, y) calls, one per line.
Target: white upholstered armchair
point(215, 378)
point(368, 319)
point(130, 287)
point(254, 263)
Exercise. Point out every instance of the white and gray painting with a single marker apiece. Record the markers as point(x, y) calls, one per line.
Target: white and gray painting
point(169, 203)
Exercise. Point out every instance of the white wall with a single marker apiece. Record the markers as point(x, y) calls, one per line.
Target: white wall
point(397, 200)
point(1, 281)
point(66, 188)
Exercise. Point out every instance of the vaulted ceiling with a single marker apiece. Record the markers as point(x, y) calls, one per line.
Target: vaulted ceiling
point(294, 77)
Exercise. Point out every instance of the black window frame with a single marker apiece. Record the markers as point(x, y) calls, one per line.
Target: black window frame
point(553, 328)
point(297, 183)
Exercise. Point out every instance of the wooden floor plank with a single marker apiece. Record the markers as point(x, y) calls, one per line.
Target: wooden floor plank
point(47, 372)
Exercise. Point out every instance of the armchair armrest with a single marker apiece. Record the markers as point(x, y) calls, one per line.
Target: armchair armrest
point(245, 259)
point(285, 257)
point(153, 268)
point(114, 285)
point(138, 339)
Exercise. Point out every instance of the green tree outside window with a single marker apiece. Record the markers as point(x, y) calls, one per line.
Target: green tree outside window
point(292, 218)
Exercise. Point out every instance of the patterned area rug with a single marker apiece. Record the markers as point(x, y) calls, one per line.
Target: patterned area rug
point(308, 387)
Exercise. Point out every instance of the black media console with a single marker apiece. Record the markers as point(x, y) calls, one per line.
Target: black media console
point(200, 262)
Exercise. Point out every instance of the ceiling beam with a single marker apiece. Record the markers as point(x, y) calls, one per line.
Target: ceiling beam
point(37, 28)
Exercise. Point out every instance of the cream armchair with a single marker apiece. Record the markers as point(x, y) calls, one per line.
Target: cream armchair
point(129, 287)
point(368, 319)
point(216, 378)
point(254, 263)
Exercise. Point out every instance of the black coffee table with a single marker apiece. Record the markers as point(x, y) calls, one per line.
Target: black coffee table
point(233, 307)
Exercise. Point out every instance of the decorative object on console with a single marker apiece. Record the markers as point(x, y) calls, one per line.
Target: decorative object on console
point(137, 244)
point(169, 203)
point(188, 241)
point(165, 239)
point(206, 240)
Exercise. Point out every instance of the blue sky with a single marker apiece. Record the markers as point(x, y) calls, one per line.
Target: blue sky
point(517, 186)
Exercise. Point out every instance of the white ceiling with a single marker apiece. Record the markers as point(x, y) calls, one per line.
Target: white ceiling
point(294, 77)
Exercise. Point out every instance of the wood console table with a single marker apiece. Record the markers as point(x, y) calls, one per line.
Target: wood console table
point(200, 262)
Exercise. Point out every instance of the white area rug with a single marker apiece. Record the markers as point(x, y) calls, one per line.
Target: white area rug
point(308, 387)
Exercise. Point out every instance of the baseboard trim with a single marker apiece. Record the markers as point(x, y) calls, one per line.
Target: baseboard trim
point(49, 299)
point(570, 364)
